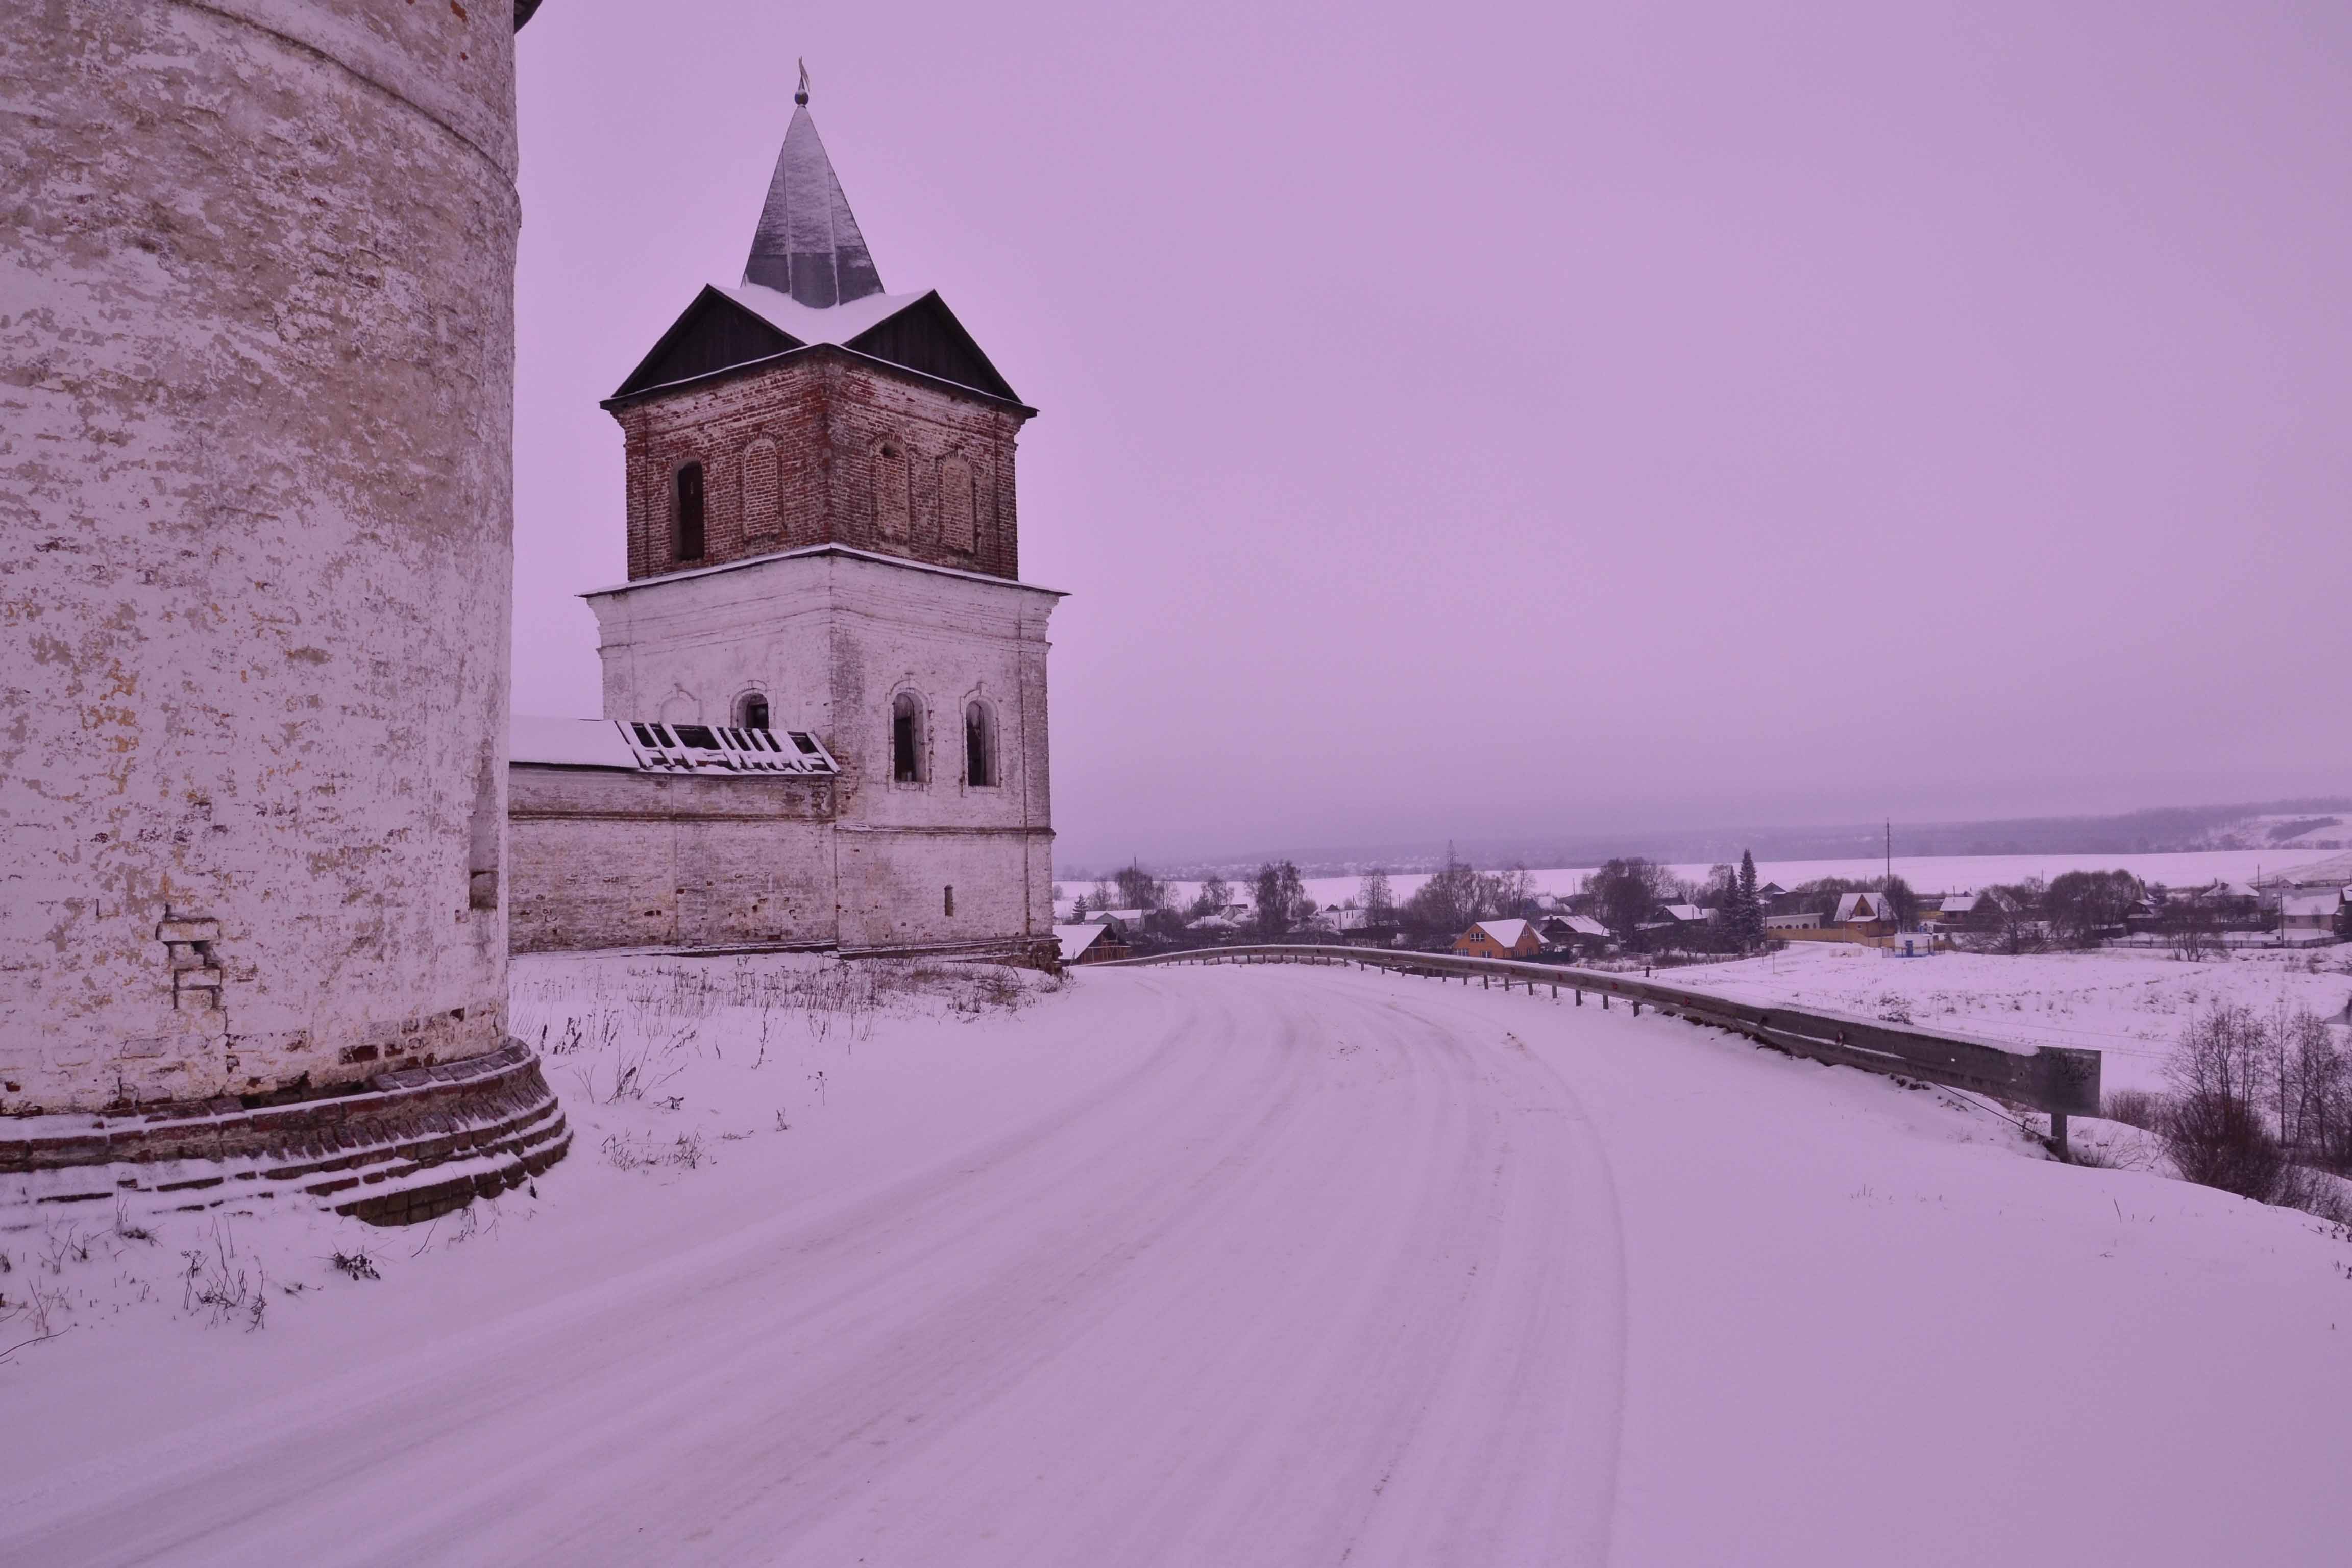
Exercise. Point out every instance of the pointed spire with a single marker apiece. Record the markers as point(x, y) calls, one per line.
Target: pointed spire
point(807, 244)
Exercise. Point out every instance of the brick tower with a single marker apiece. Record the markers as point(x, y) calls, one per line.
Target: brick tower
point(823, 537)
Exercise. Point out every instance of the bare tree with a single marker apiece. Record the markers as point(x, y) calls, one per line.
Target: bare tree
point(1215, 894)
point(1281, 899)
point(1627, 894)
point(1376, 898)
point(2213, 1125)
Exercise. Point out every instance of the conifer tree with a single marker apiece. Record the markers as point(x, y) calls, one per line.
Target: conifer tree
point(1747, 908)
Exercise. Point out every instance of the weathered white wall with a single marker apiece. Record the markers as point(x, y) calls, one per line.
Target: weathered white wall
point(257, 263)
point(602, 858)
point(831, 637)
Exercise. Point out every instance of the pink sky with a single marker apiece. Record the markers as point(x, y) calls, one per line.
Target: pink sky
point(1480, 419)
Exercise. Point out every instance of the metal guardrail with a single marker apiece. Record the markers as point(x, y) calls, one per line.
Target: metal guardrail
point(2060, 1080)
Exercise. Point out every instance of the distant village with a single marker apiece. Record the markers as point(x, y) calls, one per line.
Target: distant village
point(1636, 912)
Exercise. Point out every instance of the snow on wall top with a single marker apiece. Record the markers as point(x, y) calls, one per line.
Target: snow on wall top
point(568, 743)
point(807, 243)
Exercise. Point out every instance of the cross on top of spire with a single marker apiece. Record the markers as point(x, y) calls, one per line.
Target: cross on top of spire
point(807, 244)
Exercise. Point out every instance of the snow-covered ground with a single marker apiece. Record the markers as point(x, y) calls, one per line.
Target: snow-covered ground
point(2127, 1004)
point(1223, 1266)
point(1938, 874)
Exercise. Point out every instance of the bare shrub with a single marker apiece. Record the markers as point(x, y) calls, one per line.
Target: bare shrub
point(2253, 1095)
point(2134, 1108)
point(222, 1279)
point(2220, 1141)
point(356, 1264)
point(687, 1152)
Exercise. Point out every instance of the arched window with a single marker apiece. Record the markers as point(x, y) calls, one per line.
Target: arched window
point(906, 739)
point(892, 499)
point(979, 744)
point(751, 712)
point(686, 513)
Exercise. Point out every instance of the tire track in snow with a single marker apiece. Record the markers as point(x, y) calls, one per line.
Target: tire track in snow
point(1327, 1277)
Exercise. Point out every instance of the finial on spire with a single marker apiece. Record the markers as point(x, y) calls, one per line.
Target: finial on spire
point(801, 97)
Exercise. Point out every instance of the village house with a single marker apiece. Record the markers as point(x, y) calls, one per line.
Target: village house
point(1500, 939)
point(1864, 914)
point(1095, 942)
point(2310, 915)
point(1578, 934)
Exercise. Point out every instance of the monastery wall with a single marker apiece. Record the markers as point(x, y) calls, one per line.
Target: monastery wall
point(601, 857)
point(831, 640)
point(255, 470)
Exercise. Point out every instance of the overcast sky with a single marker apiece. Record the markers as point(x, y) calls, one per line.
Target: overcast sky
point(1473, 418)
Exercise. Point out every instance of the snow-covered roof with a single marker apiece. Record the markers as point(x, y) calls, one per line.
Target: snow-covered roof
point(1507, 933)
point(1126, 917)
point(2308, 904)
point(1582, 925)
point(1860, 906)
point(658, 747)
point(1962, 903)
point(1686, 913)
point(1212, 923)
point(812, 324)
point(1076, 940)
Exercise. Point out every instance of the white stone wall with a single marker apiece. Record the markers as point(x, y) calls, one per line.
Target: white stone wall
point(605, 858)
point(830, 637)
point(255, 300)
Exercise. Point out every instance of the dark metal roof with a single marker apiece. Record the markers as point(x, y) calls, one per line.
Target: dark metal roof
point(807, 244)
point(727, 330)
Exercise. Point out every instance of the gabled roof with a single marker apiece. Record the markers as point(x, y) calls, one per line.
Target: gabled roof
point(735, 329)
point(1860, 906)
point(1507, 934)
point(810, 281)
point(1578, 925)
point(1076, 940)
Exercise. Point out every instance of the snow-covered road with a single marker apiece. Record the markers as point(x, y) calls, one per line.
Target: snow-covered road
point(1302, 1266)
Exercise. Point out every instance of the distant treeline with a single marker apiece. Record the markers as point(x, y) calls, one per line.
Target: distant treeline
point(2161, 830)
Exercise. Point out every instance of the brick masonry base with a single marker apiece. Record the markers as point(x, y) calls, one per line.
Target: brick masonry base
point(417, 1144)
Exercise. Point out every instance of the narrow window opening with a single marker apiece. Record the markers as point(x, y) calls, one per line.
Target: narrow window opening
point(951, 899)
point(979, 745)
point(906, 739)
point(752, 713)
point(689, 512)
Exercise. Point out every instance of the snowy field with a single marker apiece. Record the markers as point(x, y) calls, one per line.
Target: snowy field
point(1204, 1266)
point(2127, 1004)
point(1941, 874)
